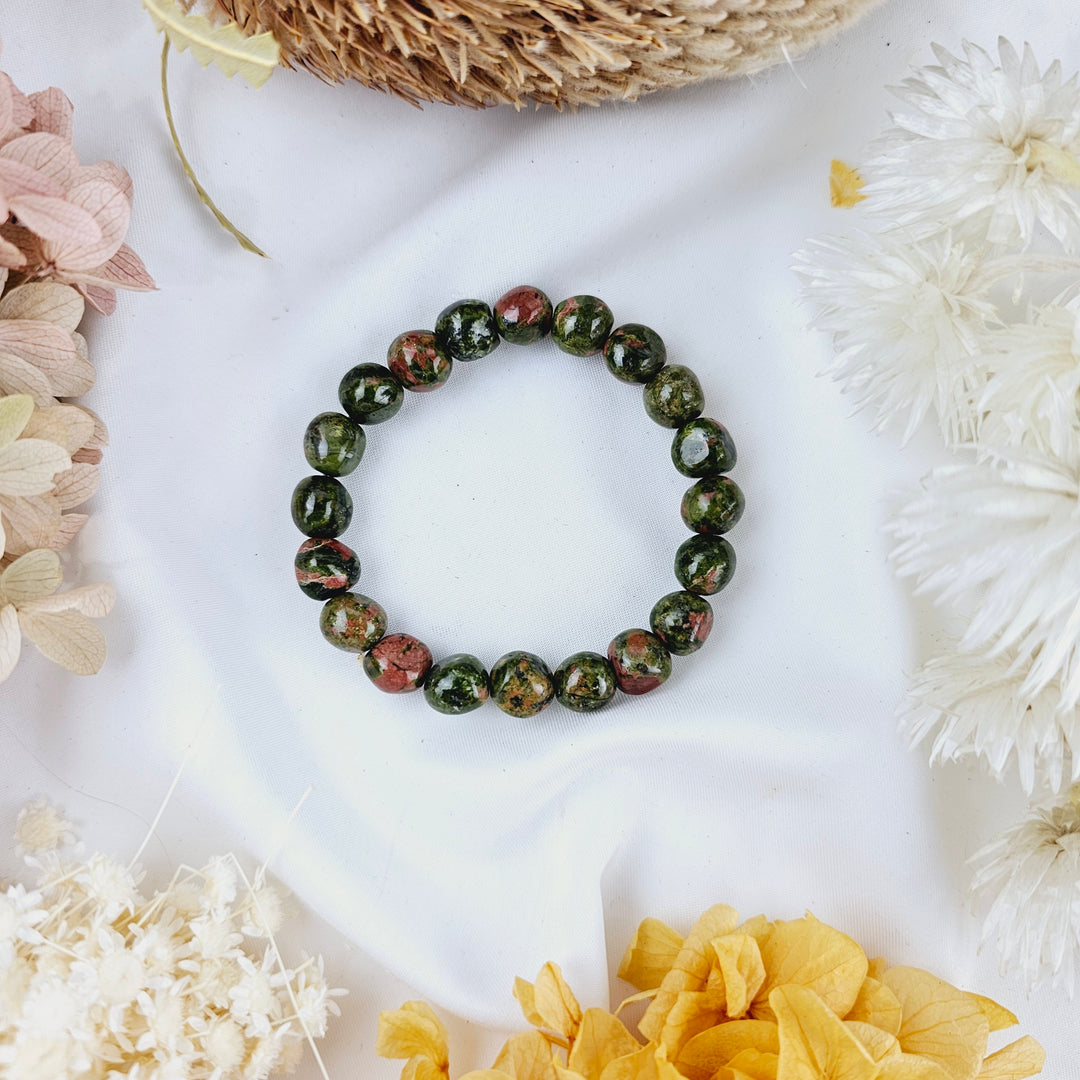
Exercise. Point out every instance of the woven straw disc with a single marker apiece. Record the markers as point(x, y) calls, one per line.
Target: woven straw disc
point(557, 52)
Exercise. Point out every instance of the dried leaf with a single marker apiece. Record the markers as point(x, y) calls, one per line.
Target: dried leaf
point(10, 640)
point(15, 413)
point(44, 301)
point(549, 1003)
point(1017, 1061)
point(76, 485)
point(27, 466)
point(845, 185)
point(526, 1057)
point(814, 1044)
point(877, 1043)
point(35, 574)
point(413, 1031)
point(700, 1058)
point(94, 601)
point(740, 963)
point(253, 58)
point(600, 1040)
point(650, 955)
point(877, 1005)
point(997, 1016)
point(68, 638)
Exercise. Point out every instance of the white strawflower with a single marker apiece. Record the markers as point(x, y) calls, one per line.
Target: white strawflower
point(992, 147)
point(41, 827)
point(1002, 540)
point(1030, 876)
point(908, 323)
point(973, 705)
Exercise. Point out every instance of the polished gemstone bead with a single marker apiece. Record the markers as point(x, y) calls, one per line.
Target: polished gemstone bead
point(352, 622)
point(581, 325)
point(466, 330)
point(326, 568)
point(321, 507)
point(682, 621)
point(370, 393)
point(523, 315)
point(704, 564)
point(703, 448)
point(713, 505)
point(333, 444)
point(634, 353)
point(674, 396)
point(585, 682)
point(457, 685)
point(398, 664)
point(418, 362)
point(521, 684)
point(640, 660)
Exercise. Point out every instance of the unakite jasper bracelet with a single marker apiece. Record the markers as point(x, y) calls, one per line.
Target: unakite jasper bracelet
point(520, 683)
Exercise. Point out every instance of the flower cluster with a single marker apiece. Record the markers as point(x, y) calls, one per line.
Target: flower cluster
point(99, 981)
point(964, 301)
point(757, 1001)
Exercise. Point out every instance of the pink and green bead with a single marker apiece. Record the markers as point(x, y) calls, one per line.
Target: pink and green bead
point(418, 362)
point(398, 664)
point(325, 568)
point(640, 660)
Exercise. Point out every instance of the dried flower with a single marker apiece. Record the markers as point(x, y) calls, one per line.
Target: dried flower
point(41, 827)
point(776, 1000)
point(1030, 876)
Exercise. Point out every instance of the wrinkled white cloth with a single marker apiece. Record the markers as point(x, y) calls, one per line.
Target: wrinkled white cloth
point(528, 504)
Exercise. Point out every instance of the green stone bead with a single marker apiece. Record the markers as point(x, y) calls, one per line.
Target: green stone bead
point(713, 505)
point(582, 324)
point(585, 682)
point(325, 568)
point(521, 684)
point(370, 393)
point(641, 661)
point(466, 330)
point(523, 315)
point(352, 622)
point(682, 621)
point(634, 353)
point(321, 507)
point(674, 396)
point(333, 444)
point(704, 564)
point(703, 448)
point(457, 685)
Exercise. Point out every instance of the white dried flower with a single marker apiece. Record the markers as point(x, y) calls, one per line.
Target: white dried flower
point(41, 827)
point(1030, 876)
point(988, 147)
point(973, 705)
point(908, 323)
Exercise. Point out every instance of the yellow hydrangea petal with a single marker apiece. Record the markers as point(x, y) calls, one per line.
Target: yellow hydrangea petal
point(694, 1011)
point(700, 1058)
point(814, 1044)
point(691, 968)
point(526, 1057)
point(601, 1039)
point(997, 1016)
point(877, 966)
point(484, 1074)
point(641, 995)
point(413, 1031)
point(751, 1065)
point(758, 928)
point(877, 1043)
point(651, 954)
point(877, 1005)
point(911, 1067)
point(549, 1003)
point(1018, 1060)
point(743, 970)
point(940, 1022)
point(805, 952)
point(845, 185)
point(422, 1068)
point(648, 1063)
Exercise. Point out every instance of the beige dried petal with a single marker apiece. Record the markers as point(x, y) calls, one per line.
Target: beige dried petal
point(31, 522)
point(110, 209)
point(19, 377)
point(68, 638)
point(35, 574)
point(52, 112)
point(94, 601)
point(10, 640)
point(47, 153)
point(66, 425)
point(86, 457)
point(27, 466)
point(15, 413)
point(67, 530)
point(76, 485)
point(100, 439)
point(44, 301)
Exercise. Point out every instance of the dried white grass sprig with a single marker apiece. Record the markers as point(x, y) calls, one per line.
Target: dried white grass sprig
point(97, 979)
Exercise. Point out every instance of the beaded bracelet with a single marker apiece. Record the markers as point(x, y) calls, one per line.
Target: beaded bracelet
point(520, 683)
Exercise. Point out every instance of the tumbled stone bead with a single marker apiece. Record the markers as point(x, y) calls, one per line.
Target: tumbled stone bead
point(333, 444)
point(585, 682)
point(634, 353)
point(352, 622)
point(523, 315)
point(325, 568)
point(418, 362)
point(521, 684)
point(466, 330)
point(682, 621)
point(674, 396)
point(398, 664)
point(321, 507)
point(704, 564)
point(703, 448)
point(370, 393)
point(457, 685)
point(640, 660)
point(713, 505)
point(581, 325)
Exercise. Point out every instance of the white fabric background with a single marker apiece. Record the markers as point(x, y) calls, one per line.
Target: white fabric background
point(529, 504)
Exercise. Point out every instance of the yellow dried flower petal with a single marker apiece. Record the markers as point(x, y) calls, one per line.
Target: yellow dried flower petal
point(877, 1043)
point(413, 1031)
point(15, 413)
point(997, 1016)
point(526, 1057)
point(877, 967)
point(549, 1003)
point(805, 952)
point(648, 1063)
point(940, 1022)
point(700, 1058)
point(651, 954)
point(600, 1040)
point(742, 968)
point(911, 1067)
point(694, 1011)
point(845, 185)
point(484, 1074)
point(751, 1065)
point(691, 968)
point(877, 1005)
point(814, 1044)
point(422, 1068)
point(758, 928)
point(641, 995)
point(1018, 1060)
